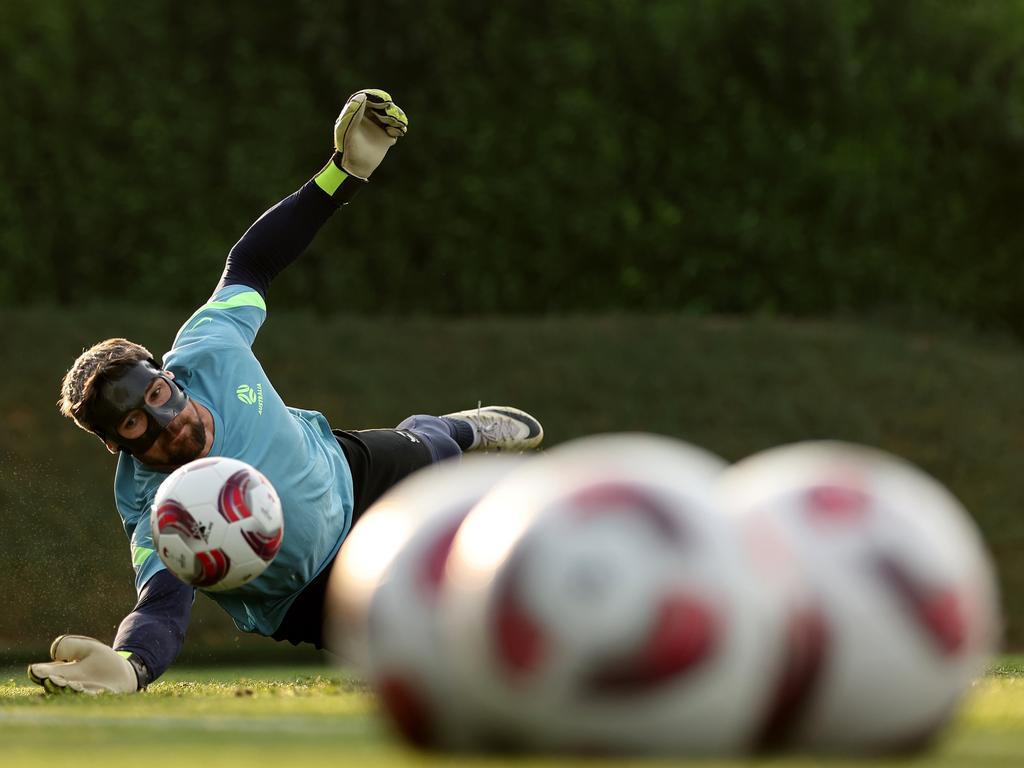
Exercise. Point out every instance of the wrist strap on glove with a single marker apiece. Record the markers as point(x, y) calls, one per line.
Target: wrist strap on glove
point(341, 186)
point(142, 673)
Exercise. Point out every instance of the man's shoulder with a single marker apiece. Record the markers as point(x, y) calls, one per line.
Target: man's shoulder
point(204, 335)
point(233, 315)
point(215, 373)
point(214, 348)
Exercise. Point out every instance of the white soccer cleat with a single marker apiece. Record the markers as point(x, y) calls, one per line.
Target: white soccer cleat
point(501, 428)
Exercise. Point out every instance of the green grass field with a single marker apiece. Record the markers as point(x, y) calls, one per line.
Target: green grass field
point(310, 716)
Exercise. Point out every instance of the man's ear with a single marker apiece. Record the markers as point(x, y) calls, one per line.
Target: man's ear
point(169, 374)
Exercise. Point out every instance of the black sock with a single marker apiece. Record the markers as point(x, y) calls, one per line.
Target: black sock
point(462, 431)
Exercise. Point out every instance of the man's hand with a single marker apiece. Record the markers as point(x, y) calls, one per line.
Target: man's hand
point(84, 665)
point(368, 126)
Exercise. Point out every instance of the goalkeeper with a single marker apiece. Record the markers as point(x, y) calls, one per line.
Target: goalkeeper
point(210, 397)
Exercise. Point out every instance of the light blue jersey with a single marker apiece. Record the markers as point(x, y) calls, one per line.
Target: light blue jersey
point(212, 360)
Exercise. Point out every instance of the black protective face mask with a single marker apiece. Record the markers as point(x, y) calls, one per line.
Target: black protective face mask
point(119, 397)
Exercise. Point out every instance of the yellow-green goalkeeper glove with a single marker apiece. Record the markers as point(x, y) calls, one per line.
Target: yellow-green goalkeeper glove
point(369, 125)
point(85, 665)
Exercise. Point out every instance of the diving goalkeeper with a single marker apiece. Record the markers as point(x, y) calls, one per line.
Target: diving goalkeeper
point(209, 396)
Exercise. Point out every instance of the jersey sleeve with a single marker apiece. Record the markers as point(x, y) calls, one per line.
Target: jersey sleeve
point(145, 560)
point(134, 514)
point(231, 317)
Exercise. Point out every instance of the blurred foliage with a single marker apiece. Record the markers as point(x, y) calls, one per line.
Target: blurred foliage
point(773, 156)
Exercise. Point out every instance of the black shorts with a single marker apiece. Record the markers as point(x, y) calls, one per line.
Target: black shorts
point(378, 458)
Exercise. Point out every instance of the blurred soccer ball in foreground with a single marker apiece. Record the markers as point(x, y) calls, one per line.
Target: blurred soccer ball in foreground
point(598, 602)
point(381, 605)
point(216, 523)
point(907, 590)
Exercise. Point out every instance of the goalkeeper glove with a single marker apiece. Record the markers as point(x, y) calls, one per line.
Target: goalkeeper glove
point(368, 126)
point(87, 666)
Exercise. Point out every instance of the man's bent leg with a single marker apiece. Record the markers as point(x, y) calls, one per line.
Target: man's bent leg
point(444, 438)
point(378, 459)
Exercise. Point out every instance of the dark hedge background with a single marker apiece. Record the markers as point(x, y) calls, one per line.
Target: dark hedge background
point(807, 157)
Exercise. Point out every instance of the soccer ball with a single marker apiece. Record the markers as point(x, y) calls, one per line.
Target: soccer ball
point(216, 523)
point(599, 603)
point(906, 589)
point(381, 606)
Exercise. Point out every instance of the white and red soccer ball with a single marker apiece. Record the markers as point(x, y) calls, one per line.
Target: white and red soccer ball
point(598, 602)
point(216, 523)
point(906, 596)
point(381, 611)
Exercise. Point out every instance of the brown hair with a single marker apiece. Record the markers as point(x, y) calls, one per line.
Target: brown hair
point(92, 366)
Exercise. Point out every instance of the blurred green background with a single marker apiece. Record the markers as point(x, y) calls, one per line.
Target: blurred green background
point(740, 222)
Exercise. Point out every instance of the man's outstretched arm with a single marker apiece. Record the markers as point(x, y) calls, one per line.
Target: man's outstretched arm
point(154, 631)
point(369, 124)
point(147, 642)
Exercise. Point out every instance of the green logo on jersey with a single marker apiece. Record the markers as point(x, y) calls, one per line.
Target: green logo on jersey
point(246, 394)
point(200, 321)
point(251, 396)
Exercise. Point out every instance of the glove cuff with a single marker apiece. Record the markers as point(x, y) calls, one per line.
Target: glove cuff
point(142, 673)
point(339, 184)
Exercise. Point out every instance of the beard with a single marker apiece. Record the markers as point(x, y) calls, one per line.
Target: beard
point(182, 450)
